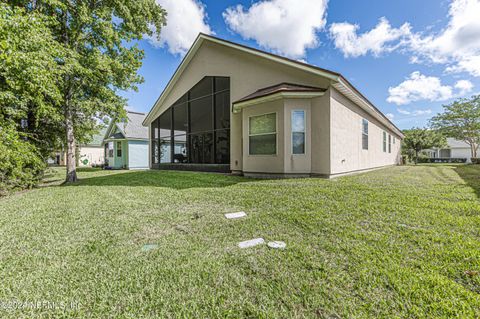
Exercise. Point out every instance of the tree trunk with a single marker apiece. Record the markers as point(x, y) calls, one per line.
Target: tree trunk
point(416, 157)
point(71, 147)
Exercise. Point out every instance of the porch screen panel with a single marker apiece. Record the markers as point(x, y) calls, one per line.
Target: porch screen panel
point(196, 128)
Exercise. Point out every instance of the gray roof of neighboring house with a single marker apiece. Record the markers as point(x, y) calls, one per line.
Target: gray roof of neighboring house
point(133, 128)
point(97, 139)
point(453, 143)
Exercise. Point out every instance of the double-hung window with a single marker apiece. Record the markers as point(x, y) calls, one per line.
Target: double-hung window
point(364, 134)
point(262, 134)
point(119, 149)
point(384, 142)
point(389, 143)
point(298, 132)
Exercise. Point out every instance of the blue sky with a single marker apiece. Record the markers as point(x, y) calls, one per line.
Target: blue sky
point(408, 57)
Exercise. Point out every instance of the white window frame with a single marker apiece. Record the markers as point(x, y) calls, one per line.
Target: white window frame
point(363, 133)
point(384, 142)
point(276, 134)
point(118, 143)
point(389, 143)
point(304, 131)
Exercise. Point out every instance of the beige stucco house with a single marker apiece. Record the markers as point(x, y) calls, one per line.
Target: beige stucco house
point(233, 108)
point(89, 154)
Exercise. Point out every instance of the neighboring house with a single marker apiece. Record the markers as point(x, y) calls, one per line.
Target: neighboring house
point(126, 143)
point(90, 154)
point(233, 108)
point(454, 149)
point(93, 153)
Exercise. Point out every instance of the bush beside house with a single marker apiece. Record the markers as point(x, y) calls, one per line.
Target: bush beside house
point(21, 165)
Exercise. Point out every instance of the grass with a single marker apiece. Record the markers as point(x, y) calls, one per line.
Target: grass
point(399, 242)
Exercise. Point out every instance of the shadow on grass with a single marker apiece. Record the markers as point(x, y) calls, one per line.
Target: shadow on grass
point(170, 179)
point(471, 175)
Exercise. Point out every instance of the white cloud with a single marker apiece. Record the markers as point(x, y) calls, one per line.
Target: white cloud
point(458, 45)
point(185, 19)
point(414, 112)
point(390, 116)
point(378, 40)
point(422, 112)
point(287, 27)
point(404, 112)
point(419, 87)
point(464, 86)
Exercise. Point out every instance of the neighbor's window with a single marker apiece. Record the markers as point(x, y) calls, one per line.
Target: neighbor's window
point(110, 149)
point(298, 132)
point(389, 143)
point(262, 134)
point(119, 149)
point(364, 134)
point(384, 141)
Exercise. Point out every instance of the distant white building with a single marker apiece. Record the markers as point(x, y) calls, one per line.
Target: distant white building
point(454, 149)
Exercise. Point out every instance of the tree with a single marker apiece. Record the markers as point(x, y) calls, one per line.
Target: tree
point(29, 72)
point(29, 97)
point(418, 139)
point(100, 57)
point(461, 120)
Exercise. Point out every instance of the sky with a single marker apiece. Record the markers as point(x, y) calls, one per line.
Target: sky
point(407, 57)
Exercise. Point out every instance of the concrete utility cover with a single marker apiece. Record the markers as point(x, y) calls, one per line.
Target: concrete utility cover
point(251, 243)
point(277, 244)
point(235, 215)
point(148, 247)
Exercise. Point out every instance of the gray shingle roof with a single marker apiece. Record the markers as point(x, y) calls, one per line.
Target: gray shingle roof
point(97, 139)
point(453, 143)
point(134, 128)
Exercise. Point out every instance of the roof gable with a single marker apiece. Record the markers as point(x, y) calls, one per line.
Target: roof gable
point(130, 129)
point(337, 80)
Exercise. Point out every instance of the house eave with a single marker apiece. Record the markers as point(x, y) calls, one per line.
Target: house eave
point(238, 106)
point(336, 80)
point(126, 139)
point(348, 90)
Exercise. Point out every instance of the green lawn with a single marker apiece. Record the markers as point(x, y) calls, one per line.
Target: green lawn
point(399, 242)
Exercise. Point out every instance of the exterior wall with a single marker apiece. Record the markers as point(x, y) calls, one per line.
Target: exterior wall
point(320, 123)
point(247, 74)
point(347, 154)
point(264, 163)
point(138, 154)
point(94, 155)
point(463, 153)
point(297, 163)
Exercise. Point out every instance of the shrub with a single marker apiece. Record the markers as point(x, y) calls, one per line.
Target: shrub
point(441, 160)
point(475, 160)
point(21, 166)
